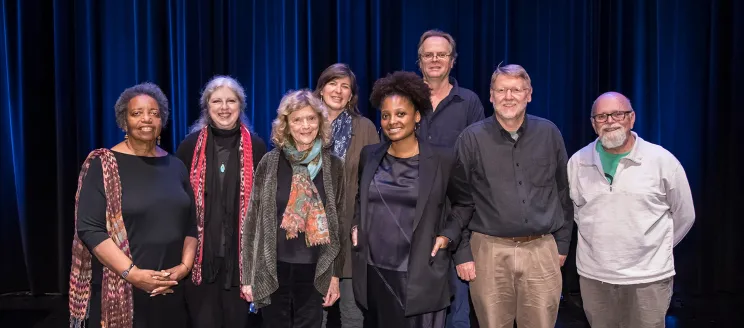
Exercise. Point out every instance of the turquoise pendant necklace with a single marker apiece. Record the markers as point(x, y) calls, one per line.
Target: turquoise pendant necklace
point(222, 168)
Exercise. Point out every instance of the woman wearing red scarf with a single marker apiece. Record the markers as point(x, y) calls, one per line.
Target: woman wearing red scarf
point(221, 154)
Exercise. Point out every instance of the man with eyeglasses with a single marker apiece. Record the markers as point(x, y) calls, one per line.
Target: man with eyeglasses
point(455, 108)
point(520, 230)
point(632, 205)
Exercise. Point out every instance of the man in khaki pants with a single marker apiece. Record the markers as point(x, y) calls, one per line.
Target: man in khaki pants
point(633, 205)
point(521, 227)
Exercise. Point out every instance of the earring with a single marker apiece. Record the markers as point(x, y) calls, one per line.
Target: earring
point(158, 140)
point(126, 136)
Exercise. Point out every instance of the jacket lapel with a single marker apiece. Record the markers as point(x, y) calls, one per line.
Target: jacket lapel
point(370, 167)
point(428, 165)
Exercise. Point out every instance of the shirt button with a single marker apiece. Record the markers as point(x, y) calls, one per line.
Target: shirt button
point(520, 183)
point(523, 201)
point(525, 220)
point(429, 137)
point(517, 164)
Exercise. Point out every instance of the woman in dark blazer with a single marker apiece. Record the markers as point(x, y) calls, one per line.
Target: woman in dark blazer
point(400, 274)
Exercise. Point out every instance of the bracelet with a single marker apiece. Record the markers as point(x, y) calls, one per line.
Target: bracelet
point(187, 267)
point(125, 273)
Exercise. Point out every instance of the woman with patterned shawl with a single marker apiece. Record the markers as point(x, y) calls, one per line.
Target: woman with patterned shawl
point(135, 212)
point(221, 154)
point(350, 132)
point(290, 238)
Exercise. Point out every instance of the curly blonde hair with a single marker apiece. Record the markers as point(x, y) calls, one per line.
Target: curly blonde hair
point(293, 101)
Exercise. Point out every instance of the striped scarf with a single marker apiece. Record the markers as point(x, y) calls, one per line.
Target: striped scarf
point(116, 295)
point(197, 178)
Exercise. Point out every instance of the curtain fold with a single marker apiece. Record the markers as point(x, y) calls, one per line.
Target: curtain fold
point(63, 64)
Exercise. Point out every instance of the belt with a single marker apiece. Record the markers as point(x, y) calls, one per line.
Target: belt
point(523, 239)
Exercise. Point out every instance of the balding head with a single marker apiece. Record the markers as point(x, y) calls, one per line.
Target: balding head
point(612, 98)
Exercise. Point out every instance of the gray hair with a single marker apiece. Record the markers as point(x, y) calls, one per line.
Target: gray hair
point(215, 83)
point(511, 70)
point(121, 107)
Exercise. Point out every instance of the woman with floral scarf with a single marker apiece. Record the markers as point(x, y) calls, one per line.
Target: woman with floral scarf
point(290, 245)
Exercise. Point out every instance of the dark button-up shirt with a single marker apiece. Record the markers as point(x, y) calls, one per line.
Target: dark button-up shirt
point(454, 113)
point(519, 187)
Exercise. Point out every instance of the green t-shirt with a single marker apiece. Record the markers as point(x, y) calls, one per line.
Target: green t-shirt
point(609, 161)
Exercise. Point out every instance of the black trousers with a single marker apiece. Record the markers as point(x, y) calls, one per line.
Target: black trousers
point(296, 304)
point(210, 305)
point(386, 294)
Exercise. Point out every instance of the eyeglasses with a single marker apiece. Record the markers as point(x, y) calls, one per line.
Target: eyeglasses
point(429, 56)
point(617, 116)
point(514, 91)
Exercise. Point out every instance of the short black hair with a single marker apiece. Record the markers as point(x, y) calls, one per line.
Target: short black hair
point(405, 84)
point(148, 89)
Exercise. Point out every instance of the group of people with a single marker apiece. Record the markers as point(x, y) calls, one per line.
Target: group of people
point(336, 227)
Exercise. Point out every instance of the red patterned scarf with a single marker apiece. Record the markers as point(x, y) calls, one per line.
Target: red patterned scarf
point(116, 294)
point(197, 175)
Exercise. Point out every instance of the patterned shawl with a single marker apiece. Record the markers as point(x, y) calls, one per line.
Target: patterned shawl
point(305, 211)
point(341, 128)
point(116, 295)
point(197, 177)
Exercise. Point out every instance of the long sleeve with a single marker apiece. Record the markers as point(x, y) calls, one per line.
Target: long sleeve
point(91, 212)
point(250, 227)
point(338, 263)
point(462, 205)
point(563, 235)
point(681, 207)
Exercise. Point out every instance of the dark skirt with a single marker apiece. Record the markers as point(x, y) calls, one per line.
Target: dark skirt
point(386, 294)
point(211, 305)
point(159, 311)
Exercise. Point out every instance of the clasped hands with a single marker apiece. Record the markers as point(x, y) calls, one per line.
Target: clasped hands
point(157, 282)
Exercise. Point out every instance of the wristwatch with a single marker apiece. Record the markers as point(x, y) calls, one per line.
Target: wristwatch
point(126, 272)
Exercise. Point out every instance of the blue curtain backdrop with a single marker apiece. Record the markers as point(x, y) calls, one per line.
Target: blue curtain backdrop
point(64, 63)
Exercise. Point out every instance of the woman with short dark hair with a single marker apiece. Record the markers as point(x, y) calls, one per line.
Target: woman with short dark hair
point(400, 273)
point(135, 212)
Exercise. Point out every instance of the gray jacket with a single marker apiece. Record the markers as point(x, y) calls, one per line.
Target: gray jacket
point(258, 263)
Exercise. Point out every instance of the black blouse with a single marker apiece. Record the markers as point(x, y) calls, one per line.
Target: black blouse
point(157, 208)
point(392, 205)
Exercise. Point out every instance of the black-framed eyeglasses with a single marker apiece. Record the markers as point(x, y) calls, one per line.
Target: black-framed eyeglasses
point(617, 116)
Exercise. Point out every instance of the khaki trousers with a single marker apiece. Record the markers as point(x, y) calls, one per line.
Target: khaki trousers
point(515, 280)
point(626, 306)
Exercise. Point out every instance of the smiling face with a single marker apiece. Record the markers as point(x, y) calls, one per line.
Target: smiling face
point(399, 118)
point(303, 127)
point(510, 96)
point(143, 119)
point(613, 132)
point(224, 108)
point(337, 93)
point(435, 57)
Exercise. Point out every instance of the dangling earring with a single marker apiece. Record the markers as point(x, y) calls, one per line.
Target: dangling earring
point(158, 140)
point(126, 136)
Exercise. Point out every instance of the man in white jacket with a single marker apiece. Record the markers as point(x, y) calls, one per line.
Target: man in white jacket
point(632, 205)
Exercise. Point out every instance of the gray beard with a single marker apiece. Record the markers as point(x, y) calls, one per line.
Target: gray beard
point(614, 139)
